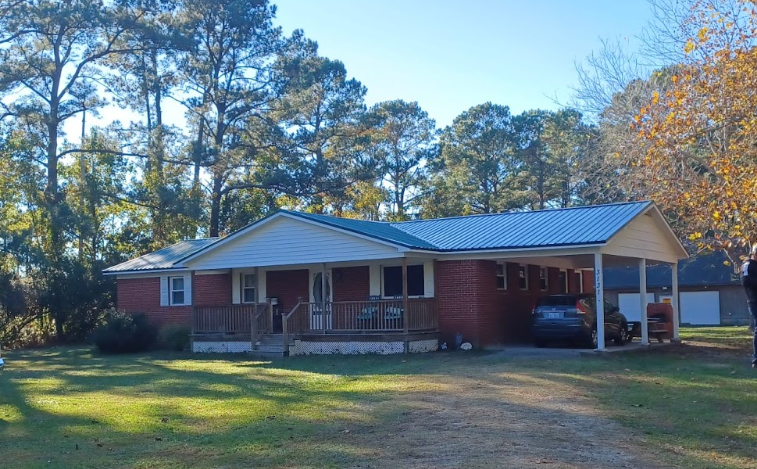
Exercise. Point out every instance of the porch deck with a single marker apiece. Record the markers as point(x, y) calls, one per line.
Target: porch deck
point(345, 321)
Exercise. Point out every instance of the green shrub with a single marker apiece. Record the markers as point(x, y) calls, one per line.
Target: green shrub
point(124, 333)
point(174, 338)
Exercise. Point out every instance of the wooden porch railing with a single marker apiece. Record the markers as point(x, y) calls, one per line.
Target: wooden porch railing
point(261, 323)
point(235, 319)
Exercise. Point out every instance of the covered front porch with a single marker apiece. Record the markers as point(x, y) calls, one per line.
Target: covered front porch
point(289, 309)
point(404, 321)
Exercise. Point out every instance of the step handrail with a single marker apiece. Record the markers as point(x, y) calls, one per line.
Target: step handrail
point(255, 334)
point(285, 327)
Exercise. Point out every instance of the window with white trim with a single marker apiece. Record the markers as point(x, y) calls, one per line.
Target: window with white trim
point(393, 281)
point(248, 288)
point(501, 276)
point(523, 277)
point(177, 291)
point(543, 278)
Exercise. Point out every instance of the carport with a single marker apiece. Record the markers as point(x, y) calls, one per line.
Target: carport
point(639, 237)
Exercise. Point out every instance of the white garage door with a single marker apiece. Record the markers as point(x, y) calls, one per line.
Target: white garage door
point(700, 307)
point(629, 304)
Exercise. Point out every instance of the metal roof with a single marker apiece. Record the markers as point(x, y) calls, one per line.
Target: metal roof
point(375, 229)
point(594, 224)
point(576, 226)
point(164, 258)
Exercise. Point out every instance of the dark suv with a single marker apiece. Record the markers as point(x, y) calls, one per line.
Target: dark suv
point(574, 316)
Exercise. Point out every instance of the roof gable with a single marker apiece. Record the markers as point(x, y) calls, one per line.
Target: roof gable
point(289, 240)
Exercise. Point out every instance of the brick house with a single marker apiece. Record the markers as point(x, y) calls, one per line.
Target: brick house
point(303, 283)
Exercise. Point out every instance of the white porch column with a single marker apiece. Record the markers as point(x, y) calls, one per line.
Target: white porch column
point(676, 317)
point(599, 292)
point(643, 300)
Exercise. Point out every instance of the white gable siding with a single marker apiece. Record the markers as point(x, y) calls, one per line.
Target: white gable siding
point(286, 241)
point(645, 237)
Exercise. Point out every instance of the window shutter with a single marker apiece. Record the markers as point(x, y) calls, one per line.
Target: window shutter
point(236, 287)
point(163, 290)
point(188, 289)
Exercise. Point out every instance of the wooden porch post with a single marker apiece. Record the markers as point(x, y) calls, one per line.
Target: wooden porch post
point(405, 310)
point(323, 297)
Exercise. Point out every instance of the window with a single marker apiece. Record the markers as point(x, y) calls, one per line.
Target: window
point(501, 277)
point(562, 281)
point(393, 281)
point(248, 288)
point(543, 278)
point(523, 277)
point(177, 290)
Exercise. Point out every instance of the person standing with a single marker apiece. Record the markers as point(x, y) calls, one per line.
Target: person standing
point(749, 281)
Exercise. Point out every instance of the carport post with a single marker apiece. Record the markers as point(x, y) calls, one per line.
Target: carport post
point(599, 292)
point(643, 300)
point(676, 317)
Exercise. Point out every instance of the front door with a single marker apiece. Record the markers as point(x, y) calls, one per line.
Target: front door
point(317, 291)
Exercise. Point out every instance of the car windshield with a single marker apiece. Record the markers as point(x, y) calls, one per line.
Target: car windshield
point(557, 301)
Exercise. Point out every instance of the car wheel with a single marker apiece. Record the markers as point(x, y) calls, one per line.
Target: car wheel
point(593, 340)
point(622, 337)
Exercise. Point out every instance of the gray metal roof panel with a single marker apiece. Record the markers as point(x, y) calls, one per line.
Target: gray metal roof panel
point(593, 224)
point(164, 258)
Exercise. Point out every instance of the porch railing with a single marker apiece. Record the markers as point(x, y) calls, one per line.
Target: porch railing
point(363, 316)
point(235, 319)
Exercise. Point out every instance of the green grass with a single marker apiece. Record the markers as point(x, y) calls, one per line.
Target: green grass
point(692, 406)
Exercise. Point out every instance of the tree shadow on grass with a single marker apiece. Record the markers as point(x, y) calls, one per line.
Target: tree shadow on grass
point(182, 410)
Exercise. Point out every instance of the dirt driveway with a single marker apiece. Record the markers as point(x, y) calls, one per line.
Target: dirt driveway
point(500, 416)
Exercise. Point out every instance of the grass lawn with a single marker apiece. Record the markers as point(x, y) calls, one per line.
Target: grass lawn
point(688, 406)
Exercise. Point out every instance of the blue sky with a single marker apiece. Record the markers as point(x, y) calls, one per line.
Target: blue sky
point(451, 55)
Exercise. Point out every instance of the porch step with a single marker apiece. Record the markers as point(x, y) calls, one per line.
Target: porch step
point(274, 339)
point(262, 354)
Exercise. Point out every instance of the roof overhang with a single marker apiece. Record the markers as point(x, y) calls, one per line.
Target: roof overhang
point(145, 273)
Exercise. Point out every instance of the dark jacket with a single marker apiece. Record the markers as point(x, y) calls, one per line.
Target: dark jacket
point(749, 279)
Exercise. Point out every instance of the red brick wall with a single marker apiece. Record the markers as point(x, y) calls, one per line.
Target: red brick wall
point(470, 303)
point(588, 276)
point(142, 295)
point(288, 286)
point(212, 290)
point(352, 283)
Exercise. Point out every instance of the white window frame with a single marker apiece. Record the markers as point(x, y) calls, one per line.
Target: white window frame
point(525, 276)
point(383, 284)
point(545, 278)
point(242, 287)
point(171, 291)
point(501, 274)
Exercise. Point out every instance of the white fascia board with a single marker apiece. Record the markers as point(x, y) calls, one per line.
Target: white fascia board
point(507, 253)
point(145, 273)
